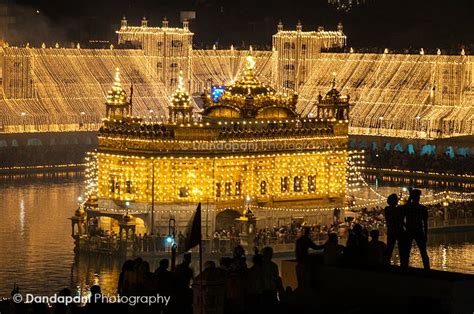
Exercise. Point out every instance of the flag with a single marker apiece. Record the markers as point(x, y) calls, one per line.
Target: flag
point(193, 231)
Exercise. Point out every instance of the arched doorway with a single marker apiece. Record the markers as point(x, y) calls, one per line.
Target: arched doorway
point(226, 219)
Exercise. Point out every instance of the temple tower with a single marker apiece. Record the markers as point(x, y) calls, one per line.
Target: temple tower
point(117, 106)
point(296, 52)
point(180, 109)
point(169, 49)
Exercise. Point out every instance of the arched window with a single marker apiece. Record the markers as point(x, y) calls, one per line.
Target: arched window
point(311, 183)
point(183, 191)
point(218, 189)
point(34, 142)
point(263, 187)
point(297, 180)
point(128, 186)
point(398, 148)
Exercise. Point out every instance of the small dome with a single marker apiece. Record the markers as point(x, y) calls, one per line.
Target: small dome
point(249, 98)
point(249, 85)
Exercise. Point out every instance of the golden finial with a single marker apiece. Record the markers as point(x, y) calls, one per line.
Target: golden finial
point(333, 80)
point(117, 84)
point(180, 82)
point(250, 62)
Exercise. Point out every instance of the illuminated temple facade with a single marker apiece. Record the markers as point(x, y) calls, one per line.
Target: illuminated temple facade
point(246, 149)
point(402, 95)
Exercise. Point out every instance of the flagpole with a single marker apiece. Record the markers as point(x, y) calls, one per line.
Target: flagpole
point(200, 269)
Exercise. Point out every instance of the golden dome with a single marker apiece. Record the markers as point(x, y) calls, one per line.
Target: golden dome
point(249, 98)
point(249, 84)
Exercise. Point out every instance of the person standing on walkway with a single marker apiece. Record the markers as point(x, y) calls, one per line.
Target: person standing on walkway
point(416, 220)
point(396, 229)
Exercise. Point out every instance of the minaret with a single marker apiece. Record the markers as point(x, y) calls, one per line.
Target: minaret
point(180, 109)
point(117, 106)
point(144, 22)
point(123, 23)
point(164, 23)
point(340, 27)
point(185, 24)
point(299, 27)
point(280, 26)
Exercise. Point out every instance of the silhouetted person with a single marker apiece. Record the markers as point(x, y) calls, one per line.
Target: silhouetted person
point(237, 281)
point(333, 251)
point(271, 277)
point(164, 280)
point(255, 285)
point(416, 219)
point(124, 283)
point(396, 230)
point(183, 275)
point(356, 247)
point(303, 244)
point(95, 304)
point(376, 249)
point(61, 308)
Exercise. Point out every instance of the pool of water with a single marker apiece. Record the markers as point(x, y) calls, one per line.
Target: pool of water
point(36, 248)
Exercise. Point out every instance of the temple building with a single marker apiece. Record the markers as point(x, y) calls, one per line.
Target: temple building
point(246, 150)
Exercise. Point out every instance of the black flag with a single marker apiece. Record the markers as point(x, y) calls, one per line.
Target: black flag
point(193, 237)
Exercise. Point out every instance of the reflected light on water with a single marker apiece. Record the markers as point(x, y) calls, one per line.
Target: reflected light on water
point(36, 248)
point(22, 216)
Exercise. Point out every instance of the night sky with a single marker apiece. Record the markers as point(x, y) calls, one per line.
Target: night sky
point(375, 25)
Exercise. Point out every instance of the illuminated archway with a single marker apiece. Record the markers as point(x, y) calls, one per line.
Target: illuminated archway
point(398, 148)
point(226, 219)
point(428, 150)
point(462, 151)
point(449, 152)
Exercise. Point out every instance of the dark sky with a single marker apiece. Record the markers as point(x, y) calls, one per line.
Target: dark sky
point(447, 24)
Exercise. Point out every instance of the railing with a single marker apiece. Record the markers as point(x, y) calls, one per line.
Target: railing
point(159, 245)
point(450, 223)
point(32, 128)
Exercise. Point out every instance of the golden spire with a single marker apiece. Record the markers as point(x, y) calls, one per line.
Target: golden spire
point(250, 64)
point(333, 80)
point(117, 95)
point(180, 97)
point(180, 82)
point(117, 84)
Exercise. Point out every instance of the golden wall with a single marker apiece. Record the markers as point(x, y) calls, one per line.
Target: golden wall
point(221, 180)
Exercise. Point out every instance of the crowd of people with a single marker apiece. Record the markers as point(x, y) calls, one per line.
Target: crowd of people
point(240, 288)
point(374, 218)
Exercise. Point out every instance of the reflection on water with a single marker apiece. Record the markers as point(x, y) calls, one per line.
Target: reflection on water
point(36, 249)
point(35, 242)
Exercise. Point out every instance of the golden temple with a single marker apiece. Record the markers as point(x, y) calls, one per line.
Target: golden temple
point(246, 149)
